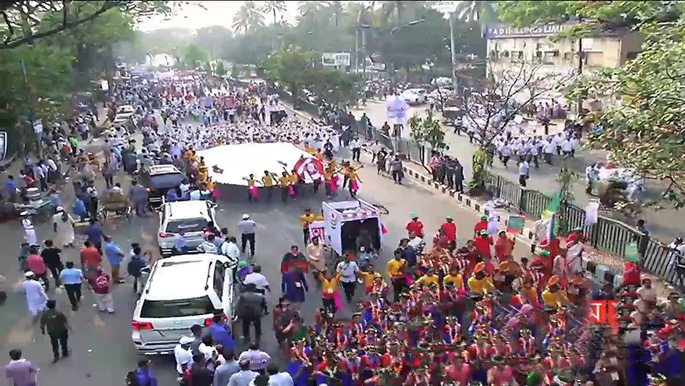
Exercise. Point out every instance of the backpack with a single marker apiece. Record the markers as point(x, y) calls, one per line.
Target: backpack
point(101, 283)
point(135, 266)
point(132, 379)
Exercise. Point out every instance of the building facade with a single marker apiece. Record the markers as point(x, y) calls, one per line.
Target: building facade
point(546, 50)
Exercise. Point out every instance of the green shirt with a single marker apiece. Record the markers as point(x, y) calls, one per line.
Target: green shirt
point(54, 322)
point(299, 334)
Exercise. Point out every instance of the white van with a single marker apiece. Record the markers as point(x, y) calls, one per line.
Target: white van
point(181, 291)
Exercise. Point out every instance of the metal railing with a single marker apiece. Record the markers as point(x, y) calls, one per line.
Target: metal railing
point(607, 235)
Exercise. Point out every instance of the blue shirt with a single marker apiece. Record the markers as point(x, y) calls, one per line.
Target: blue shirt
point(10, 185)
point(56, 201)
point(71, 276)
point(171, 195)
point(221, 334)
point(145, 377)
point(180, 242)
point(113, 253)
point(94, 233)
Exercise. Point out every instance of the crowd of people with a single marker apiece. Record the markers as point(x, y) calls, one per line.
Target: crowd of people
point(443, 314)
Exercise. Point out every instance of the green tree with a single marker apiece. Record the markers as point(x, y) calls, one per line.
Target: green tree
point(220, 69)
point(248, 18)
point(427, 131)
point(334, 86)
point(194, 56)
point(481, 11)
point(274, 7)
point(216, 40)
point(290, 68)
point(235, 71)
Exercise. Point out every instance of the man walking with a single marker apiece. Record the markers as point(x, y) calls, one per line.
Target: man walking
point(102, 287)
point(249, 311)
point(356, 147)
point(57, 327)
point(51, 258)
point(348, 270)
point(135, 267)
point(115, 256)
point(36, 298)
point(20, 371)
point(72, 278)
point(247, 233)
point(138, 195)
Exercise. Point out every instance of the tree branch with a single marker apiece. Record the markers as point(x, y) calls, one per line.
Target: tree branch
point(106, 6)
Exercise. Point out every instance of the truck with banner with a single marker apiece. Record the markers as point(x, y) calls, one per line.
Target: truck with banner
point(344, 221)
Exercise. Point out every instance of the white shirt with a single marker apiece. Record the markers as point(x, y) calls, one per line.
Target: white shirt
point(567, 145)
point(230, 250)
point(377, 147)
point(415, 242)
point(184, 188)
point(281, 379)
point(257, 279)
point(183, 357)
point(207, 351)
point(207, 247)
point(348, 271)
point(354, 144)
point(549, 148)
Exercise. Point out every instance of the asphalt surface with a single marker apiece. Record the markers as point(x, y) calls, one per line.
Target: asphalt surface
point(101, 347)
point(665, 224)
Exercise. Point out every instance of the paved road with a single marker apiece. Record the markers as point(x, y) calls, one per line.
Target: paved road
point(102, 352)
point(665, 224)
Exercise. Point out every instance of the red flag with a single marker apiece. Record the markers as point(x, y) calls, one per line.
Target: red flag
point(384, 229)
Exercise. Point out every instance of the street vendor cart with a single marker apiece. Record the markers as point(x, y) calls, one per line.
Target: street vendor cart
point(345, 221)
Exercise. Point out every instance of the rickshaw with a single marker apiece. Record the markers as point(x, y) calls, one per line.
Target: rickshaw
point(113, 201)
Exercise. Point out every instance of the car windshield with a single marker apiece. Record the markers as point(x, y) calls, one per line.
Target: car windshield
point(187, 225)
point(166, 181)
point(176, 308)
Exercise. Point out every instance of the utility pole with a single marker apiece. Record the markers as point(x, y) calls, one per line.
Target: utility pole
point(32, 113)
point(581, 57)
point(453, 52)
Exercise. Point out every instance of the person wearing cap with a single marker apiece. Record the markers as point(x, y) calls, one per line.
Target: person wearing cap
point(63, 226)
point(481, 225)
point(29, 230)
point(554, 295)
point(415, 226)
point(182, 354)
point(449, 229)
point(480, 282)
point(504, 245)
point(306, 219)
point(36, 298)
point(483, 244)
point(247, 229)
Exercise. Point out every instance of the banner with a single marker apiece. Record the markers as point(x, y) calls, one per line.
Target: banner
point(515, 224)
point(317, 229)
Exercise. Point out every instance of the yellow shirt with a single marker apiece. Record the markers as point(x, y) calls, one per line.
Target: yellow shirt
point(554, 299)
point(210, 185)
point(352, 175)
point(319, 217)
point(367, 278)
point(457, 280)
point(306, 219)
point(395, 267)
point(329, 286)
point(318, 155)
point(202, 176)
point(530, 294)
point(284, 181)
point(294, 178)
point(328, 174)
point(250, 182)
point(428, 279)
point(481, 286)
point(309, 149)
point(268, 180)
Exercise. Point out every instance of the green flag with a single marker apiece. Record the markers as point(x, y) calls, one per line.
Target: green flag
point(553, 206)
point(630, 253)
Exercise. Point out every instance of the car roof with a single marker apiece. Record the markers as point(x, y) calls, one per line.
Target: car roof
point(156, 170)
point(179, 210)
point(191, 270)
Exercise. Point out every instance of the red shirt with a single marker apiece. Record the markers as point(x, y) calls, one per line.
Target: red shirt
point(449, 229)
point(104, 280)
point(36, 264)
point(416, 227)
point(91, 257)
point(482, 245)
point(481, 225)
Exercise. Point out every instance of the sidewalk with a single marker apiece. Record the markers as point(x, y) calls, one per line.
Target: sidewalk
point(665, 224)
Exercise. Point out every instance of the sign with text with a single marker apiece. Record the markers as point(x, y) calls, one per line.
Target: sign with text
point(317, 229)
point(500, 32)
point(335, 59)
point(603, 312)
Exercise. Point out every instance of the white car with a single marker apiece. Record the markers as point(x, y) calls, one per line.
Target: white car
point(189, 217)
point(180, 292)
point(415, 96)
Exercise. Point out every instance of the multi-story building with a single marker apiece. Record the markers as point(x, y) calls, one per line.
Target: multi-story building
point(547, 50)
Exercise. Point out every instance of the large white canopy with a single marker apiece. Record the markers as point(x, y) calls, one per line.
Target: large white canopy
point(238, 161)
